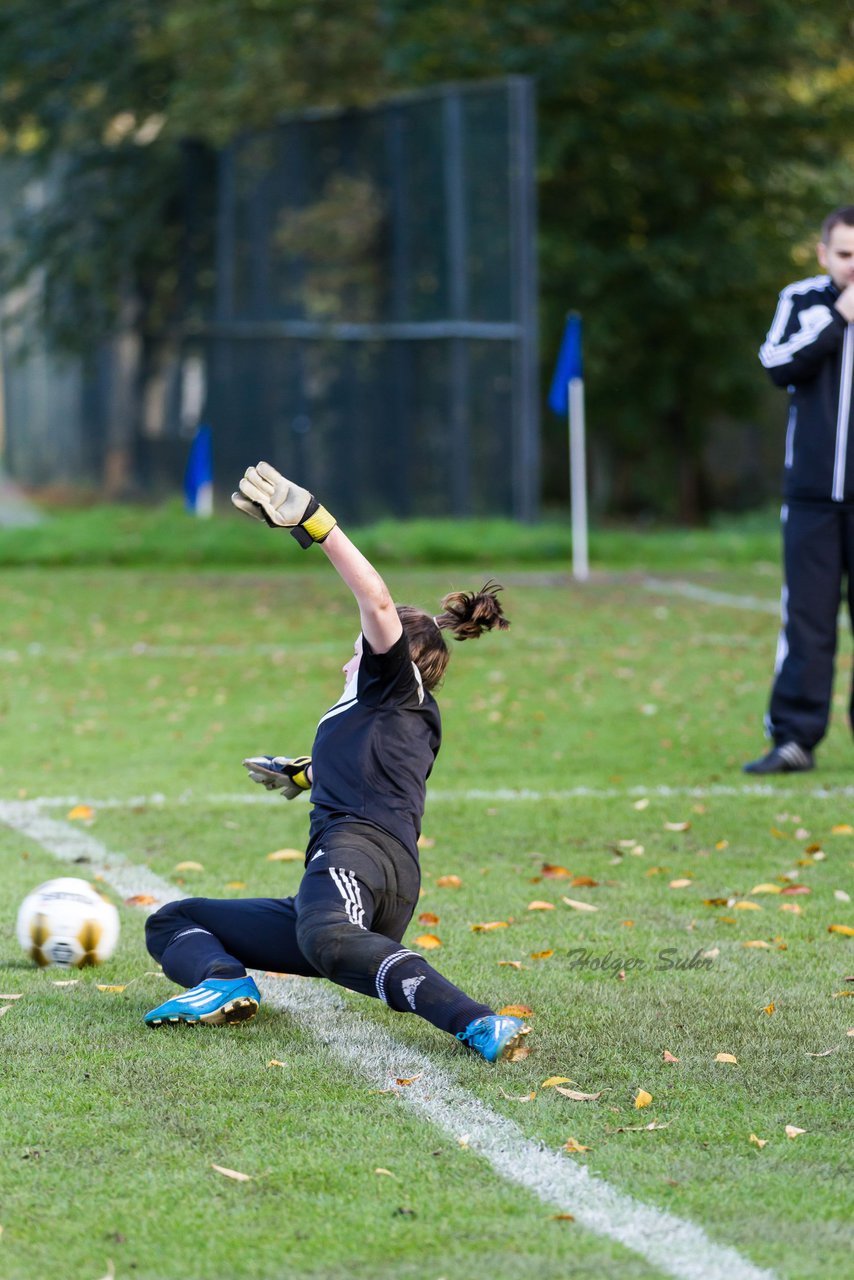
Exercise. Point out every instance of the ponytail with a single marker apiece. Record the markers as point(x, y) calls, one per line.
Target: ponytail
point(466, 614)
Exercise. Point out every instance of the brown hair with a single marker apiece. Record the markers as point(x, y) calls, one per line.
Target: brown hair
point(844, 215)
point(466, 613)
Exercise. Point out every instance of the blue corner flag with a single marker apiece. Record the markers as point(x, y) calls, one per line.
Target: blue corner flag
point(568, 365)
point(198, 477)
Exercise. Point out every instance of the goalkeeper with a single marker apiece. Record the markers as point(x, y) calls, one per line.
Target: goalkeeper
point(373, 752)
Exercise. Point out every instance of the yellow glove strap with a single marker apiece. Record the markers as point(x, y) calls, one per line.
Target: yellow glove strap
point(319, 524)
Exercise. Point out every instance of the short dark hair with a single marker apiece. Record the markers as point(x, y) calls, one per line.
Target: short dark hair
point(843, 215)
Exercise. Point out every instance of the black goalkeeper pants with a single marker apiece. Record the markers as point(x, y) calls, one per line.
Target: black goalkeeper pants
point(355, 900)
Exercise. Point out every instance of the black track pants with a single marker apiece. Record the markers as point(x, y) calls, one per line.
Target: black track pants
point(818, 553)
point(354, 903)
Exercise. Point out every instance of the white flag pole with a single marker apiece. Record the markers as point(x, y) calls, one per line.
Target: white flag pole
point(578, 479)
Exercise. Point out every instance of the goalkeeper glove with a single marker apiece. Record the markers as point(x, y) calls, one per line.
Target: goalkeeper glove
point(266, 495)
point(280, 773)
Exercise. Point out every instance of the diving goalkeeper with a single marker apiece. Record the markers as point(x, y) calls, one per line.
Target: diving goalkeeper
point(373, 752)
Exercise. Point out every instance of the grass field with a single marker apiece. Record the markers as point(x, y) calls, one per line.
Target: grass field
point(600, 739)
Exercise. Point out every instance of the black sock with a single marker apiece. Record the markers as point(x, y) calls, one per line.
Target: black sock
point(195, 954)
point(414, 986)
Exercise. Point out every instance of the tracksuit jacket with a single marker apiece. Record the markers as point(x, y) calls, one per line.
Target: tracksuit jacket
point(810, 350)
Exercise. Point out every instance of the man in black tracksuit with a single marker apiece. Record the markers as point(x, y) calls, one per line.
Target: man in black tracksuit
point(810, 350)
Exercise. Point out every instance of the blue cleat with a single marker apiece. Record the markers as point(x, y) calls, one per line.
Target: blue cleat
point(493, 1036)
point(215, 1001)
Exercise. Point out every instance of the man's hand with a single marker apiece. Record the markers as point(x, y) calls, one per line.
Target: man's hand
point(845, 303)
point(267, 495)
point(280, 773)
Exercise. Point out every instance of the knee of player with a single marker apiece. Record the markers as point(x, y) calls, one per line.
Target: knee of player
point(321, 941)
point(162, 925)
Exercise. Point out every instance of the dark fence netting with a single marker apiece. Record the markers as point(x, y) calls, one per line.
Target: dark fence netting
point(375, 328)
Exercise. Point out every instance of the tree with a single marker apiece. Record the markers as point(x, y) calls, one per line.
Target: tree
point(686, 153)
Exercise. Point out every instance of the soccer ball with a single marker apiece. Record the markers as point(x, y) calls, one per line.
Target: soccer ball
point(67, 923)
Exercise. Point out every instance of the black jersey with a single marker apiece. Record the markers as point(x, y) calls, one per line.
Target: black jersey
point(374, 750)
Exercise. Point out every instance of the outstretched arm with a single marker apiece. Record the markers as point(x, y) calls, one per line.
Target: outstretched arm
point(381, 626)
point(267, 495)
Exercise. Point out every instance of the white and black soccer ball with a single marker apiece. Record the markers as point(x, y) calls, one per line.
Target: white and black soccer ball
point(66, 922)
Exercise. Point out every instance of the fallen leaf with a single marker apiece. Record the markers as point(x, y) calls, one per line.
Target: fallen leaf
point(679, 884)
point(65, 982)
point(573, 1146)
point(490, 924)
point(795, 908)
point(386, 1173)
point(449, 882)
point(712, 953)
point(516, 1055)
point(825, 1053)
point(642, 1128)
point(726, 1057)
point(537, 905)
point(428, 941)
point(406, 1080)
point(642, 804)
point(286, 855)
point(553, 1080)
point(722, 844)
point(141, 900)
point(850, 1031)
point(236, 884)
point(842, 829)
point(102, 987)
point(841, 896)
point(517, 1011)
point(562, 1217)
point(769, 1008)
point(19, 996)
point(583, 882)
point(792, 889)
point(425, 842)
point(758, 1142)
point(576, 1096)
point(4, 1008)
point(232, 1173)
point(579, 906)
point(765, 946)
point(80, 813)
point(746, 906)
point(842, 993)
point(845, 929)
point(642, 1099)
point(541, 955)
point(427, 917)
point(552, 871)
point(668, 1057)
point(525, 1097)
point(715, 902)
point(189, 866)
point(274, 1062)
point(677, 826)
point(765, 888)
point(792, 1131)
point(511, 964)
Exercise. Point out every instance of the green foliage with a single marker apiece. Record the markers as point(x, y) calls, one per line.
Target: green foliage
point(687, 155)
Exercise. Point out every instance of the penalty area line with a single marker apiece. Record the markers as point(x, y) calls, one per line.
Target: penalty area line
point(678, 1247)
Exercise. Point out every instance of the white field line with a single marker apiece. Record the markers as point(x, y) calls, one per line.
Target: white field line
point(677, 1247)
point(693, 591)
point(178, 652)
point(227, 800)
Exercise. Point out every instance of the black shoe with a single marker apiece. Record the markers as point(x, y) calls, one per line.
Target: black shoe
point(791, 757)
